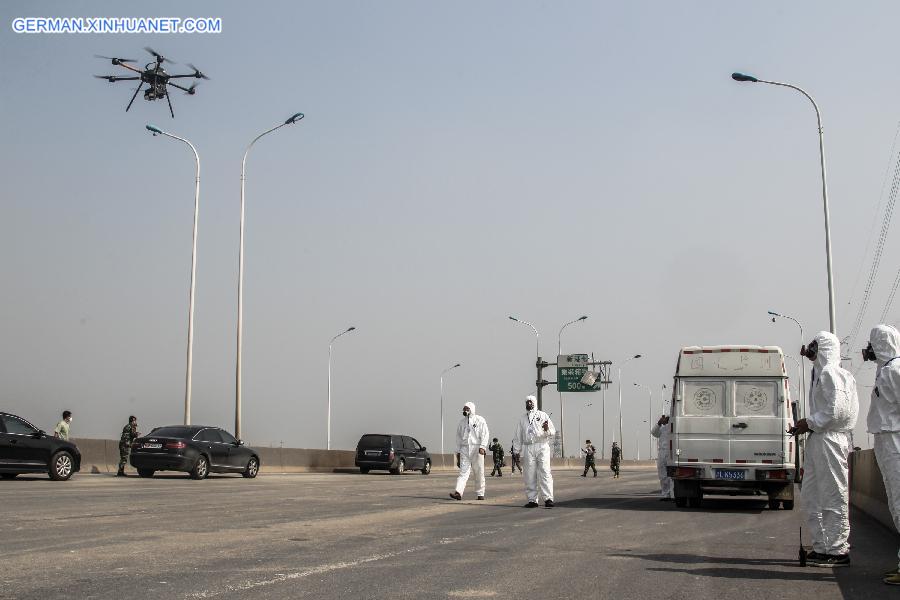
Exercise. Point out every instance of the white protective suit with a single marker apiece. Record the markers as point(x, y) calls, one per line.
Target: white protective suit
point(884, 414)
point(663, 433)
point(833, 408)
point(471, 435)
point(533, 443)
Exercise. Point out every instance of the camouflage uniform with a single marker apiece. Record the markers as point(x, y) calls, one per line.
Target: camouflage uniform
point(515, 460)
point(497, 450)
point(589, 452)
point(129, 434)
point(614, 459)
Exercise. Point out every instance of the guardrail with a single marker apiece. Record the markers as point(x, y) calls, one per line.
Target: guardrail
point(867, 487)
point(102, 456)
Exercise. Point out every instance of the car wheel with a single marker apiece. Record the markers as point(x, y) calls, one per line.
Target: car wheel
point(680, 501)
point(252, 468)
point(401, 466)
point(146, 472)
point(427, 469)
point(8, 475)
point(61, 466)
point(364, 470)
point(201, 469)
point(773, 503)
point(695, 502)
point(787, 504)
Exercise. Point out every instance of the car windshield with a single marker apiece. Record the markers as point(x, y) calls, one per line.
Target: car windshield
point(375, 441)
point(173, 432)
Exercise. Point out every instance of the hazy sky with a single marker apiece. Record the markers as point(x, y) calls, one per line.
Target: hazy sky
point(459, 162)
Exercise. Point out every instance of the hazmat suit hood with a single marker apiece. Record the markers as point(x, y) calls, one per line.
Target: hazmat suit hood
point(471, 406)
point(829, 353)
point(885, 341)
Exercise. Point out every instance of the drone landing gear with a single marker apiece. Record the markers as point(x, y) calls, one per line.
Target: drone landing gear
point(140, 85)
point(169, 100)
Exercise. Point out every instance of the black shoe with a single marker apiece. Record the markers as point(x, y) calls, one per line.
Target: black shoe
point(584, 475)
point(480, 498)
point(595, 474)
point(121, 473)
point(828, 560)
point(455, 496)
point(531, 504)
point(549, 504)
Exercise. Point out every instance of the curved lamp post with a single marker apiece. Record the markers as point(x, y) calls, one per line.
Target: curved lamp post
point(743, 77)
point(649, 413)
point(562, 421)
point(330, 344)
point(799, 365)
point(190, 336)
point(537, 338)
point(240, 307)
point(448, 369)
point(621, 440)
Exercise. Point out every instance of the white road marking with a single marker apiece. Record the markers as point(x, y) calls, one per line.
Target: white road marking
point(282, 577)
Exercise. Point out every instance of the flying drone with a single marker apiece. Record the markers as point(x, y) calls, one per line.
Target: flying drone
point(154, 75)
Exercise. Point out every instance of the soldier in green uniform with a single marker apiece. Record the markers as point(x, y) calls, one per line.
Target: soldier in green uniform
point(129, 434)
point(516, 460)
point(614, 459)
point(496, 449)
point(589, 452)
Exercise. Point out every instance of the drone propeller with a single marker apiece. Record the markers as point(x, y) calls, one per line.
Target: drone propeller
point(115, 60)
point(109, 78)
point(197, 72)
point(159, 57)
point(191, 90)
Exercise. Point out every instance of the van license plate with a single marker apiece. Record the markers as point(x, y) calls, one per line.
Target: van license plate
point(373, 452)
point(733, 474)
point(153, 446)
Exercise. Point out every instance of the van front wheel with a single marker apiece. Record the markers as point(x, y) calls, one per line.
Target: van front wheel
point(774, 503)
point(680, 501)
point(787, 504)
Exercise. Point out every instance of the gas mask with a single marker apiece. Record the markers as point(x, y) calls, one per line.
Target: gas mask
point(868, 353)
point(810, 351)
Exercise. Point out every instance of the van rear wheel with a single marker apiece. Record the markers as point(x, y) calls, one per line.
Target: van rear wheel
point(774, 503)
point(695, 502)
point(787, 504)
point(680, 501)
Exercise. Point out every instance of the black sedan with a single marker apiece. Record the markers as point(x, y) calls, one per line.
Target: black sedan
point(26, 449)
point(195, 449)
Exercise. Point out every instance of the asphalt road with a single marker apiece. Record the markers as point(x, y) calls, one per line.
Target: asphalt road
point(380, 536)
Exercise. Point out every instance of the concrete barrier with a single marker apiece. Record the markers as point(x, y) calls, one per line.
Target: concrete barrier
point(102, 456)
point(867, 487)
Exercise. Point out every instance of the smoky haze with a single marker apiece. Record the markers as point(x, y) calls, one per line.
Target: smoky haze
point(458, 163)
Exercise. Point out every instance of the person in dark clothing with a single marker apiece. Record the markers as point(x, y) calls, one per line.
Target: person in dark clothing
point(496, 449)
point(589, 451)
point(614, 459)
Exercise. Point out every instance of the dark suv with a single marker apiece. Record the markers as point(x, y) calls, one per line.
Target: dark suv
point(394, 453)
point(26, 449)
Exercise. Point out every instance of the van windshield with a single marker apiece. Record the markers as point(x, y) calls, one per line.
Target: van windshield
point(375, 441)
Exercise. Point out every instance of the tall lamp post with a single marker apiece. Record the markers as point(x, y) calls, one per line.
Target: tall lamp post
point(190, 335)
point(621, 440)
point(447, 370)
point(562, 424)
point(330, 344)
point(579, 419)
point(742, 77)
point(240, 303)
point(537, 343)
point(649, 414)
point(799, 364)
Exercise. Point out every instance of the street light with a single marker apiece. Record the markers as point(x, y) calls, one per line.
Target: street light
point(579, 419)
point(442, 409)
point(751, 79)
point(622, 441)
point(799, 364)
point(330, 344)
point(240, 304)
point(537, 337)
point(190, 336)
point(649, 414)
point(562, 424)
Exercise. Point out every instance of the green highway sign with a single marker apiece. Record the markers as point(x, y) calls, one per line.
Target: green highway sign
point(570, 368)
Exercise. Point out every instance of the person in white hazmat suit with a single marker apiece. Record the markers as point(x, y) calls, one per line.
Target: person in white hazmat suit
point(883, 421)
point(833, 408)
point(662, 431)
point(533, 435)
point(472, 439)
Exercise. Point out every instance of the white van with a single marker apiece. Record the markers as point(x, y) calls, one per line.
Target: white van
point(730, 414)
